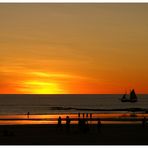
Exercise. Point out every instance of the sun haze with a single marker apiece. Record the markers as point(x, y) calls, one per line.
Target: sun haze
point(73, 48)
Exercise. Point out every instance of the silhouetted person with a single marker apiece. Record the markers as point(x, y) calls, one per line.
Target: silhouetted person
point(83, 127)
point(144, 122)
point(28, 115)
point(78, 115)
point(67, 123)
point(87, 115)
point(59, 122)
point(79, 123)
point(90, 115)
point(87, 118)
point(83, 115)
point(99, 125)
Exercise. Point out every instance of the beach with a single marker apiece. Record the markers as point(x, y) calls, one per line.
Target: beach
point(32, 120)
point(107, 134)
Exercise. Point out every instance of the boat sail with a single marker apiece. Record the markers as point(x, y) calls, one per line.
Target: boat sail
point(132, 98)
point(124, 99)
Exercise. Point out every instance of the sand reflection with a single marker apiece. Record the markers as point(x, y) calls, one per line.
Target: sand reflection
point(114, 118)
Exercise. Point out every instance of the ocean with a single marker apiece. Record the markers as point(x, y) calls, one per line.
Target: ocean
point(57, 104)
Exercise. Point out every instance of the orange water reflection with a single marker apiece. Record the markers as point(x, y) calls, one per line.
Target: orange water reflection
point(52, 118)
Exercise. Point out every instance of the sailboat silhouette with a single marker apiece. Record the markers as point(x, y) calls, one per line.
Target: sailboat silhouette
point(132, 98)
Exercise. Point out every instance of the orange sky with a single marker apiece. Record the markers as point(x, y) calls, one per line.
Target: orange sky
point(73, 48)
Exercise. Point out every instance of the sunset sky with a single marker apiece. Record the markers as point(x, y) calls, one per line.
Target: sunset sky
point(73, 48)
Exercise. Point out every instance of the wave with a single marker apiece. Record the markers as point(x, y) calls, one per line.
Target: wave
point(91, 109)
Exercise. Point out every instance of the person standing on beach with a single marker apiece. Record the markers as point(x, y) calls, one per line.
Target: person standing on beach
point(87, 118)
point(83, 115)
point(99, 125)
point(60, 122)
point(90, 117)
point(67, 123)
point(28, 115)
point(78, 115)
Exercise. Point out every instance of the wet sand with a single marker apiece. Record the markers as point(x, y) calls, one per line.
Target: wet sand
point(108, 134)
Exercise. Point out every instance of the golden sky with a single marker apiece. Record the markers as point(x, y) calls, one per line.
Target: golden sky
point(73, 48)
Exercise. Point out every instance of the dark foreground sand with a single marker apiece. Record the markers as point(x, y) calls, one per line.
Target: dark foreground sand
point(133, 134)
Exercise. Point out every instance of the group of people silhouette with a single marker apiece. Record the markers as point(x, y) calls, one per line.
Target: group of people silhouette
point(83, 125)
point(67, 123)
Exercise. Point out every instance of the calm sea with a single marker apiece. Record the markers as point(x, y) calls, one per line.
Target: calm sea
point(48, 104)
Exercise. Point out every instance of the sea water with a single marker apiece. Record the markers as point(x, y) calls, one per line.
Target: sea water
point(51, 104)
